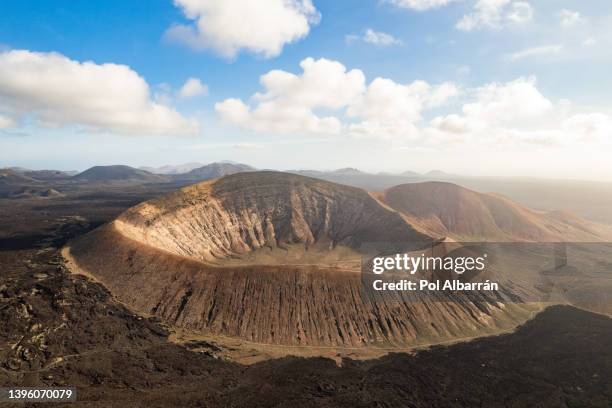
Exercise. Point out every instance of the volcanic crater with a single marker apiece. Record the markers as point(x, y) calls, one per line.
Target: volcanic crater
point(275, 258)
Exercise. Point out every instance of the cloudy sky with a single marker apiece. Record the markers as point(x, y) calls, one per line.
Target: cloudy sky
point(479, 87)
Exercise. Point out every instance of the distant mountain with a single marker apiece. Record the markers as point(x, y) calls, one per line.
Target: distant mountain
point(438, 174)
point(348, 171)
point(445, 209)
point(117, 173)
point(411, 174)
point(17, 169)
point(308, 173)
point(214, 170)
point(49, 175)
point(42, 175)
point(173, 169)
point(10, 176)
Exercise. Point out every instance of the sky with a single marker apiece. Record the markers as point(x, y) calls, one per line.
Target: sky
point(476, 87)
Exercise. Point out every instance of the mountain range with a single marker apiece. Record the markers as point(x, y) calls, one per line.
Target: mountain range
point(587, 199)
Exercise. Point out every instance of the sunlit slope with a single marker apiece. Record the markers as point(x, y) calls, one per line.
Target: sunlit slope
point(445, 209)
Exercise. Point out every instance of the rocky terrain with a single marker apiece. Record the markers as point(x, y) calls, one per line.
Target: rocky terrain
point(61, 329)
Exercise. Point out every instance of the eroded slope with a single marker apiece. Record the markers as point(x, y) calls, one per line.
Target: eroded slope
point(232, 216)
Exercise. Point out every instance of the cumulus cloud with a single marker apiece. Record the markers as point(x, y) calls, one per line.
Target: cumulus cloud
point(385, 99)
point(495, 109)
point(192, 87)
point(262, 27)
point(290, 102)
point(451, 124)
point(516, 100)
point(534, 52)
point(496, 105)
point(569, 18)
point(496, 14)
point(56, 91)
point(420, 5)
point(389, 109)
point(327, 98)
point(517, 112)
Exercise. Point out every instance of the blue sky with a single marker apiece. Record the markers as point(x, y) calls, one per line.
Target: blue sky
point(518, 82)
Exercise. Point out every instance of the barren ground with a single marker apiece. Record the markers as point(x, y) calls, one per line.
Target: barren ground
point(61, 329)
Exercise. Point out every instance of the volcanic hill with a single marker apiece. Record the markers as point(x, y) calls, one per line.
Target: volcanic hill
point(171, 169)
point(446, 209)
point(274, 257)
point(117, 173)
point(213, 170)
point(11, 177)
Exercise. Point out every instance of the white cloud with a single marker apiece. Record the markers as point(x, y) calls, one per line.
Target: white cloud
point(420, 5)
point(56, 91)
point(497, 104)
point(519, 12)
point(516, 100)
point(569, 18)
point(326, 98)
point(193, 87)
point(451, 124)
point(388, 109)
point(290, 102)
point(386, 100)
point(235, 111)
point(262, 27)
point(534, 52)
point(380, 38)
point(517, 113)
point(496, 14)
